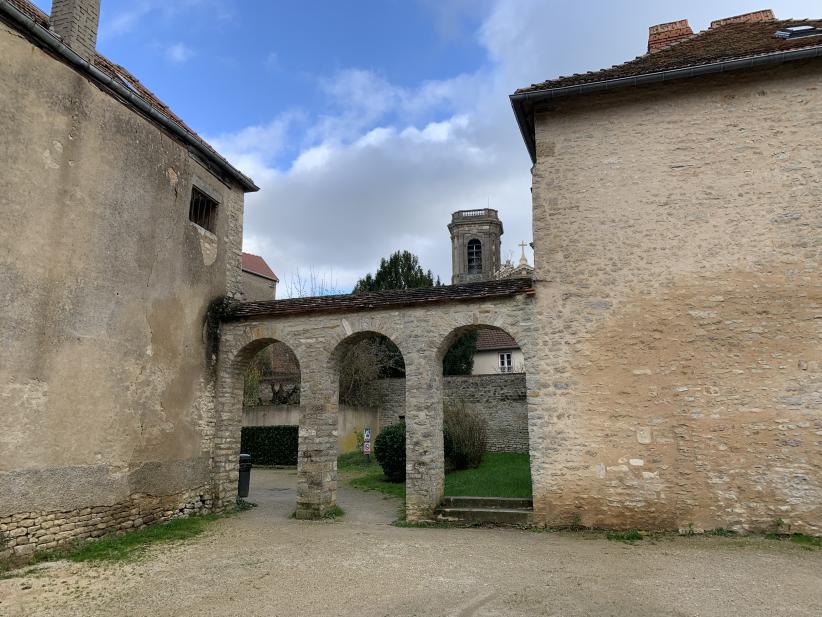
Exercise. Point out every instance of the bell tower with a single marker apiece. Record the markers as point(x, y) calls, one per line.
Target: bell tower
point(475, 245)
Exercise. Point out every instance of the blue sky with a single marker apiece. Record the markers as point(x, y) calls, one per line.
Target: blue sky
point(366, 123)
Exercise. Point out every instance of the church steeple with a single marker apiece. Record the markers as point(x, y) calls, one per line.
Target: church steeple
point(475, 245)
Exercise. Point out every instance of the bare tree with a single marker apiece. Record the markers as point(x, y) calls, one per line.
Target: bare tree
point(311, 283)
point(362, 365)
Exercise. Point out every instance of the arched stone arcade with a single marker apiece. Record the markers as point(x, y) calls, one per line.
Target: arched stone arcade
point(420, 322)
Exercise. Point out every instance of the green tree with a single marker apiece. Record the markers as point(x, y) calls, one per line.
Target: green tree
point(401, 270)
point(459, 359)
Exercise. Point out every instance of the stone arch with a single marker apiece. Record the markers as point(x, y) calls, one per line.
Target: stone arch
point(336, 356)
point(461, 323)
point(518, 328)
point(236, 354)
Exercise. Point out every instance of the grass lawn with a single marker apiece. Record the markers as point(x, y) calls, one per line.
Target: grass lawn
point(501, 474)
point(368, 477)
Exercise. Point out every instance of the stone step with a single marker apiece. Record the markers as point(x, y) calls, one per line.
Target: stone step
point(498, 516)
point(507, 503)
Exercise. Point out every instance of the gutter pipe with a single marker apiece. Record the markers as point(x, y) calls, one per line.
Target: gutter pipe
point(523, 115)
point(51, 42)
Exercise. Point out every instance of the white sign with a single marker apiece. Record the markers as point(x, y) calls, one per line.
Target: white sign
point(366, 440)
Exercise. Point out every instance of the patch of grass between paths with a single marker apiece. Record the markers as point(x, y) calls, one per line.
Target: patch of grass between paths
point(501, 474)
point(629, 537)
point(130, 544)
point(368, 476)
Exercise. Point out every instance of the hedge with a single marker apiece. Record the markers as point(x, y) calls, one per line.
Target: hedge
point(270, 445)
point(389, 450)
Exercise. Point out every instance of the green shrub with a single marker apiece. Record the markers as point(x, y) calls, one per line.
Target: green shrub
point(270, 445)
point(465, 436)
point(389, 450)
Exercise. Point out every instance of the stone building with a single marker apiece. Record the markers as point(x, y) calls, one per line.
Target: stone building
point(258, 280)
point(119, 226)
point(497, 352)
point(475, 245)
point(677, 225)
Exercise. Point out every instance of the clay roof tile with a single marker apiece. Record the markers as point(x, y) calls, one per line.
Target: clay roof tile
point(729, 39)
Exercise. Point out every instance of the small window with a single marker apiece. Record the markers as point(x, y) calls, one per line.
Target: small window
point(474, 256)
point(505, 365)
point(203, 210)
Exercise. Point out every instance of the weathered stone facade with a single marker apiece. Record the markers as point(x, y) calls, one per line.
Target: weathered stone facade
point(256, 287)
point(679, 367)
point(422, 333)
point(105, 282)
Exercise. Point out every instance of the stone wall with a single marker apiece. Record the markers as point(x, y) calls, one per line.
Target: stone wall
point(422, 333)
point(104, 282)
point(678, 261)
point(499, 399)
point(25, 532)
point(256, 288)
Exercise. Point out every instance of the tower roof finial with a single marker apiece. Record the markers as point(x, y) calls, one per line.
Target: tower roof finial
point(523, 260)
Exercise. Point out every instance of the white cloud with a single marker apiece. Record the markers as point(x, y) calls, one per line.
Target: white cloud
point(178, 53)
point(386, 167)
point(383, 172)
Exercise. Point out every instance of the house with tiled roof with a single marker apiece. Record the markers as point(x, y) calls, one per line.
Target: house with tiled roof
point(677, 285)
point(120, 227)
point(259, 281)
point(495, 352)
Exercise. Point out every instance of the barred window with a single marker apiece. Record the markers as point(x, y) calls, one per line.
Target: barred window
point(474, 256)
point(203, 210)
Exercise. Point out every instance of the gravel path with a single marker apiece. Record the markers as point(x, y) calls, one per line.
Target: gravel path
point(261, 563)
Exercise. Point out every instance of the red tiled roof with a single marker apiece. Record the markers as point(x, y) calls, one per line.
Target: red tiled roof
point(378, 300)
point(121, 75)
point(256, 265)
point(493, 338)
point(728, 41)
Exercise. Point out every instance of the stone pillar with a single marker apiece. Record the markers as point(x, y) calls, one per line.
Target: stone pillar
point(317, 450)
point(424, 461)
point(228, 425)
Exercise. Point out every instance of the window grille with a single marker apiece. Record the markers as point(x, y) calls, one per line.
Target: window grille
point(203, 210)
point(474, 256)
point(505, 365)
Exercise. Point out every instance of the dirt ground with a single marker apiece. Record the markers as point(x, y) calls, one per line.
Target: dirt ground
point(261, 563)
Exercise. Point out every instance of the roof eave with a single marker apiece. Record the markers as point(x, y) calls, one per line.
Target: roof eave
point(56, 46)
point(261, 275)
point(524, 103)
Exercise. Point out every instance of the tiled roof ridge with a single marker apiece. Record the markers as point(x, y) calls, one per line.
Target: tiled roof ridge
point(491, 339)
point(378, 300)
point(127, 79)
point(591, 76)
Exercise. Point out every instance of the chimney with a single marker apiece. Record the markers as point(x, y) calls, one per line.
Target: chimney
point(76, 22)
point(663, 35)
point(766, 15)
